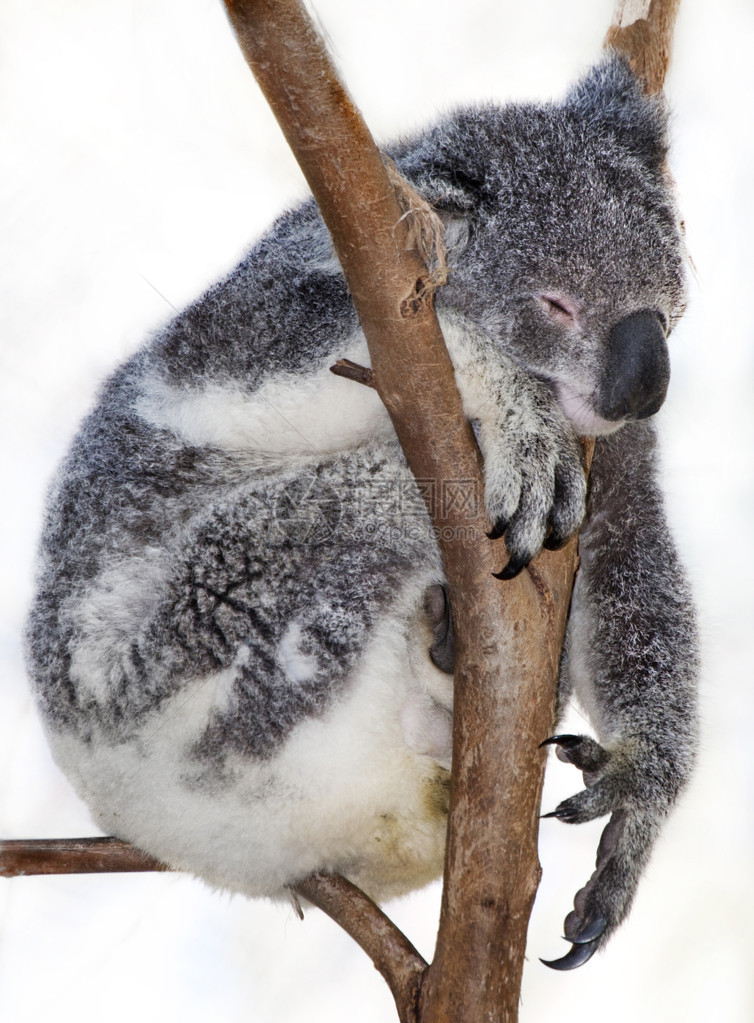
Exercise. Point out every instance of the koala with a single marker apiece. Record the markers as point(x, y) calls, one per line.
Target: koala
point(240, 641)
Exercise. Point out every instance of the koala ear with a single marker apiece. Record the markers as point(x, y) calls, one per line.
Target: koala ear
point(457, 231)
point(451, 190)
point(611, 95)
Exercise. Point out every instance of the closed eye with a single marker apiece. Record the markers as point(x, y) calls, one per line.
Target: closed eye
point(559, 308)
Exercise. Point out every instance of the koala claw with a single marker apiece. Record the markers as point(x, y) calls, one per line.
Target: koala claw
point(565, 813)
point(587, 924)
point(604, 900)
point(529, 529)
point(584, 935)
point(579, 954)
point(555, 540)
point(498, 529)
point(561, 740)
point(579, 750)
point(512, 569)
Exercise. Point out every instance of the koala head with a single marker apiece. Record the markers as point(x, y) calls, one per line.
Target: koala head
point(564, 238)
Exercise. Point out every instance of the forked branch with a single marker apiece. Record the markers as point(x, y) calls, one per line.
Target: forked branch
point(492, 869)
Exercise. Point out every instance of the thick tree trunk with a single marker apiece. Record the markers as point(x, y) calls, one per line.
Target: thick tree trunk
point(508, 635)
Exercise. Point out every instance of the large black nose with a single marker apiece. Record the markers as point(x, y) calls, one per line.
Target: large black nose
point(638, 369)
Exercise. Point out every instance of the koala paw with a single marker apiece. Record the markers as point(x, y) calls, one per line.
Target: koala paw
point(612, 786)
point(536, 496)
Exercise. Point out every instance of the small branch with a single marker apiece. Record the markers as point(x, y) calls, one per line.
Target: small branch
point(353, 371)
point(391, 952)
point(388, 948)
point(643, 31)
point(21, 858)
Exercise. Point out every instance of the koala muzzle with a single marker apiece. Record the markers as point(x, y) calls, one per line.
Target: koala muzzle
point(638, 368)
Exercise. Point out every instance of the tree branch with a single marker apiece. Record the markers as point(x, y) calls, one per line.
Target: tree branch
point(643, 31)
point(353, 371)
point(517, 627)
point(25, 857)
point(388, 948)
point(492, 869)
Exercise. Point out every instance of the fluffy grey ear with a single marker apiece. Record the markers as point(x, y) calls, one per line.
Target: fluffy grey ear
point(451, 190)
point(454, 195)
point(457, 232)
point(612, 95)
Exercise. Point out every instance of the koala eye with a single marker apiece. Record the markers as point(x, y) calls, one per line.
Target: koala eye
point(559, 308)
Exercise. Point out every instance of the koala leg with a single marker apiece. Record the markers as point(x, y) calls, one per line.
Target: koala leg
point(631, 658)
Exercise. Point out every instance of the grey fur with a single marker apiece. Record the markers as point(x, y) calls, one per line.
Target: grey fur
point(176, 549)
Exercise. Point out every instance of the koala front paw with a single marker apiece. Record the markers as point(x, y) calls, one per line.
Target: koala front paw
point(535, 496)
point(613, 786)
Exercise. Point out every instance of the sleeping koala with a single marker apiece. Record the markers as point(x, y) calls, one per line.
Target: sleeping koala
point(239, 584)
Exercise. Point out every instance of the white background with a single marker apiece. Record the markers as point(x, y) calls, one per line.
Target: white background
point(137, 162)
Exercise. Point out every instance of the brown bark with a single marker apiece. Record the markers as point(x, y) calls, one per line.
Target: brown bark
point(352, 371)
point(388, 948)
point(72, 856)
point(647, 41)
point(508, 634)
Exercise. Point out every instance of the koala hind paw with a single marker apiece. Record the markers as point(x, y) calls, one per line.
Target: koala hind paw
point(614, 787)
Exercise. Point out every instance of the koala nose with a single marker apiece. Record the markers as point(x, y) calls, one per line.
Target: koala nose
point(638, 368)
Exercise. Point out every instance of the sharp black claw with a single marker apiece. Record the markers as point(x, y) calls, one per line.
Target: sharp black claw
point(580, 750)
point(567, 814)
point(555, 541)
point(561, 740)
point(498, 529)
point(511, 570)
point(578, 955)
point(593, 928)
